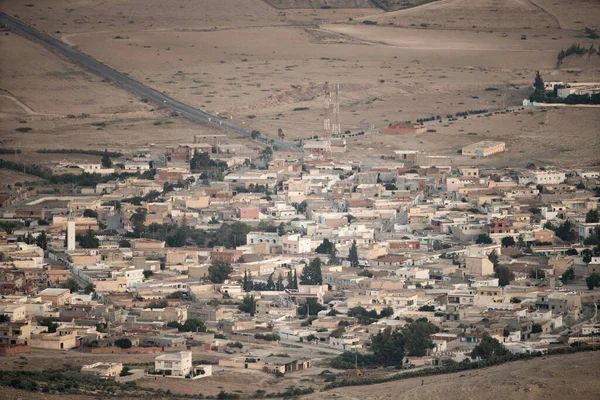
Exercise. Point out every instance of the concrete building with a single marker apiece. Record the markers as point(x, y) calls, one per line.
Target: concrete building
point(479, 266)
point(346, 342)
point(403, 128)
point(70, 232)
point(483, 149)
point(543, 177)
point(295, 244)
point(175, 364)
point(62, 339)
point(105, 370)
point(57, 297)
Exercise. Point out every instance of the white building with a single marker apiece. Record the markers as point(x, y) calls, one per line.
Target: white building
point(70, 232)
point(412, 273)
point(262, 237)
point(345, 342)
point(295, 244)
point(174, 364)
point(543, 177)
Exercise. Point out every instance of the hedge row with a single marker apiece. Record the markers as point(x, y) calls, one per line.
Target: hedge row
point(458, 367)
point(80, 151)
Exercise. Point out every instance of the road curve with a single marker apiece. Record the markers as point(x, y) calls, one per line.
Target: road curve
point(126, 82)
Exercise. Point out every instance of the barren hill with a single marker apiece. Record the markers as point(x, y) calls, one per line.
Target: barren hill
point(574, 377)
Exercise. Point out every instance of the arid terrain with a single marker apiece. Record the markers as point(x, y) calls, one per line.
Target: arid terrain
point(264, 67)
point(569, 377)
point(573, 376)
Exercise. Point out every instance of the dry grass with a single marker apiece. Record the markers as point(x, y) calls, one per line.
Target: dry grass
point(244, 58)
point(558, 377)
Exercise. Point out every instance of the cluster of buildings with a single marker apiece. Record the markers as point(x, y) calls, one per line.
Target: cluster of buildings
point(414, 234)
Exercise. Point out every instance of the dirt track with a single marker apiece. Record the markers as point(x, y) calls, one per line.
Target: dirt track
point(256, 64)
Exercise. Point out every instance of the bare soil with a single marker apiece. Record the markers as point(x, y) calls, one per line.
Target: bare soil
point(558, 377)
point(265, 68)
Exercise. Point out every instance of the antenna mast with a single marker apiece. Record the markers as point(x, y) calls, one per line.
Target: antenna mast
point(327, 122)
point(336, 129)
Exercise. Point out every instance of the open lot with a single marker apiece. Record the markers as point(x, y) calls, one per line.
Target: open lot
point(265, 68)
point(572, 376)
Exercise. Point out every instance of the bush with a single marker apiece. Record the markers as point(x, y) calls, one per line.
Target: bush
point(123, 343)
point(270, 337)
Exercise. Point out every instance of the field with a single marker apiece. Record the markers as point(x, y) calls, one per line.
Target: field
point(563, 377)
point(573, 376)
point(265, 67)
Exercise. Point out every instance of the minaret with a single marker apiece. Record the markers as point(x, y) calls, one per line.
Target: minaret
point(70, 232)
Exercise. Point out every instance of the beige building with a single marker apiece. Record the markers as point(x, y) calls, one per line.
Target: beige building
point(15, 333)
point(479, 266)
point(103, 369)
point(483, 149)
point(57, 297)
point(175, 364)
point(62, 339)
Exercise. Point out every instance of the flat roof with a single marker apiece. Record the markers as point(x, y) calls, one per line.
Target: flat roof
point(52, 292)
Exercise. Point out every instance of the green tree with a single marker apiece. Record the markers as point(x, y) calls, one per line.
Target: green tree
point(178, 295)
point(311, 274)
point(504, 275)
point(270, 282)
point(123, 343)
point(593, 281)
point(219, 271)
point(42, 240)
point(353, 255)
point(568, 275)
point(267, 154)
point(158, 304)
point(190, 325)
point(302, 207)
point(325, 247)
point(311, 307)
point(365, 272)
point(90, 213)
point(386, 312)
point(247, 282)
point(280, 133)
point(49, 322)
point(71, 285)
point(489, 348)
point(106, 162)
point(148, 274)
point(566, 232)
point(388, 347)
point(539, 89)
point(493, 257)
point(248, 305)
point(89, 240)
point(4, 318)
point(279, 286)
point(483, 239)
point(536, 328)
point(337, 333)
point(592, 217)
point(508, 241)
point(292, 280)
point(89, 288)
point(417, 339)
point(281, 229)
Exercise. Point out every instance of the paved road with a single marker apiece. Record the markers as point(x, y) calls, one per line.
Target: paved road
point(194, 114)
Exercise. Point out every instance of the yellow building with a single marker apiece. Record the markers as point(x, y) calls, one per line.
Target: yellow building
point(483, 149)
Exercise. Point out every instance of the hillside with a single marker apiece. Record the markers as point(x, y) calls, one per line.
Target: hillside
point(575, 376)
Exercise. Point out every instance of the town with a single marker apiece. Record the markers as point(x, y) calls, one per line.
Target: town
point(300, 199)
point(236, 259)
